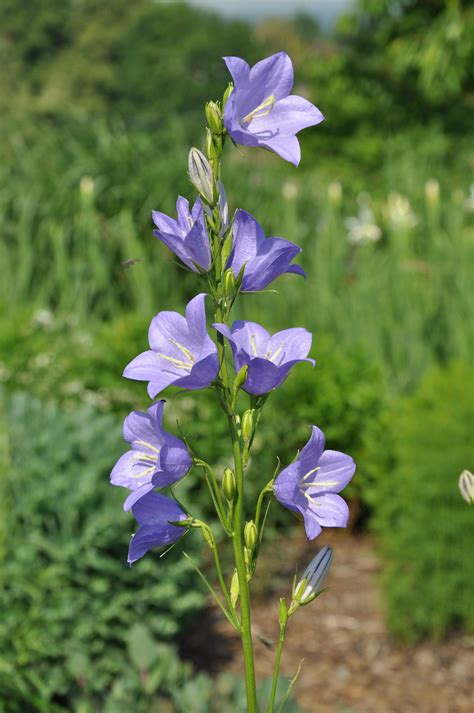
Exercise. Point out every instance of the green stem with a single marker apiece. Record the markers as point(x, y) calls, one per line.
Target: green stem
point(276, 668)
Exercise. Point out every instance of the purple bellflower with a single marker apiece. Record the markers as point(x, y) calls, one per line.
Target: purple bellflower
point(182, 353)
point(157, 458)
point(269, 358)
point(154, 513)
point(186, 237)
point(310, 485)
point(261, 111)
point(263, 259)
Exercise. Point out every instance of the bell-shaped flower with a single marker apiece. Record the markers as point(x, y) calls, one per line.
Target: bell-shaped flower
point(182, 353)
point(310, 485)
point(263, 259)
point(155, 513)
point(187, 236)
point(156, 459)
point(261, 111)
point(269, 358)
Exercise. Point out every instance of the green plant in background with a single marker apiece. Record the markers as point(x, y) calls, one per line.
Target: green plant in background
point(424, 528)
point(71, 631)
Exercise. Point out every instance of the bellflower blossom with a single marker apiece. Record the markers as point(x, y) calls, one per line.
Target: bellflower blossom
point(261, 111)
point(310, 485)
point(263, 259)
point(157, 458)
point(154, 513)
point(269, 358)
point(182, 353)
point(187, 236)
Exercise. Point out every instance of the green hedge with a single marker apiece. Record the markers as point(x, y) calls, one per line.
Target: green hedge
point(425, 530)
point(80, 630)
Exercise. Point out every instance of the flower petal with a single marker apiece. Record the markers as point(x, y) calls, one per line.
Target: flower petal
point(312, 451)
point(331, 510)
point(287, 147)
point(143, 367)
point(273, 76)
point(238, 68)
point(336, 469)
point(311, 525)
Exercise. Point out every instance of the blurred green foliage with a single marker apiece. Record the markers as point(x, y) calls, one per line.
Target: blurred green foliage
point(416, 453)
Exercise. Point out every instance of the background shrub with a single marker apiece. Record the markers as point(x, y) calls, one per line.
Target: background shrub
point(78, 626)
point(425, 530)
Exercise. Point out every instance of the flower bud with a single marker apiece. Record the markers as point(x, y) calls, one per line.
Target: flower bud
point(282, 612)
point(227, 93)
point(313, 576)
point(250, 535)
point(213, 116)
point(247, 425)
point(466, 486)
point(228, 484)
point(234, 588)
point(228, 283)
point(240, 378)
point(200, 173)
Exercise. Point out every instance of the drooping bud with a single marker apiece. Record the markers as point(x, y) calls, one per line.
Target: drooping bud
point(466, 486)
point(234, 588)
point(250, 535)
point(228, 484)
point(247, 425)
point(228, 283)
point(200, 173)
point(213, 116)
point(308, 587)
point(227, 94)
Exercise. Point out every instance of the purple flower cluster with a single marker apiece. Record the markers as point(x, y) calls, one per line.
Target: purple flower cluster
point(259, 111)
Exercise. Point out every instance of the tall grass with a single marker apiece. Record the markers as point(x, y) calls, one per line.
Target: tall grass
point(75, 236)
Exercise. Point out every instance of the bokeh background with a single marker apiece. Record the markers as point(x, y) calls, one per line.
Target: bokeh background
point(100, 103)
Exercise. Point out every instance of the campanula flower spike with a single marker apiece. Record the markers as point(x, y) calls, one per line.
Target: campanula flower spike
point(233, 256)
point(310, 485)
point(269, 358)
point(156, 459)
point(182, 353)
point(187, 236)
point(262, 112)
point(154, 513)
point(262, 259)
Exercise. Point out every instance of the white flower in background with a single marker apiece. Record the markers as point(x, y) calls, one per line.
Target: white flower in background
point(469, 202)
point(398, 211)
point(43, 318)
point(363, 228)
point(86, 186)
point(466, 486)
point(289, 190)
point(335, 192)
point(432, 191)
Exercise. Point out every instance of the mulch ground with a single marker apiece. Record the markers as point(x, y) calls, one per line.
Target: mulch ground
point(351, 664)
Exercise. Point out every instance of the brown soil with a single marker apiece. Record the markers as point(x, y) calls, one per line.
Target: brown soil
point(351, 664)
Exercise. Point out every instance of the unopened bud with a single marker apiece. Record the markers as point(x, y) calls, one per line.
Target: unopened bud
point(228, 484)
point(313, 576)
point(234, 588)
point(247, 425)
point(240, 378)
point(227, 94)
point(228, 282)
point(250, 535)
point(282, 612)
point(200, 173)
point(466, 486)
point(213, 116)
point(206, 533)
